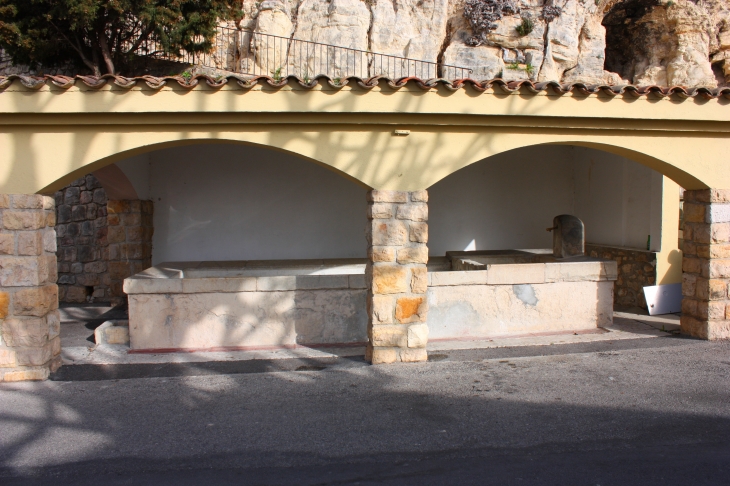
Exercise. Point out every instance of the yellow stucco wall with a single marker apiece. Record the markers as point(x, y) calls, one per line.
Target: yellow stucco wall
point(51, 136)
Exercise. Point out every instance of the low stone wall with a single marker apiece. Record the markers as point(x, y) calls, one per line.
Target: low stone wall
point(210, 305)
point(636, 270)
point(168, 311)
point(515, 299)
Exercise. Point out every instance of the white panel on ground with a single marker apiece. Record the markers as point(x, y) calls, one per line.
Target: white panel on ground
point(663, 299)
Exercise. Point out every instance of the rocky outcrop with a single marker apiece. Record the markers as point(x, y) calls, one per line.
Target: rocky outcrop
point(666, 44)
point(642, 42)
point(412, 29)
point(597, 42)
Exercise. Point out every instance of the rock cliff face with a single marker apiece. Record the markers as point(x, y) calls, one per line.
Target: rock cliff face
point(642, 42)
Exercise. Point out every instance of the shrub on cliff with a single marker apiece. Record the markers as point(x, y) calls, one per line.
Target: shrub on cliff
point(106, 35)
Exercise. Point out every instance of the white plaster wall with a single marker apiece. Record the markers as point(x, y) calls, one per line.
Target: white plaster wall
point(232, 202)
point(619, 201)
point(508, 201)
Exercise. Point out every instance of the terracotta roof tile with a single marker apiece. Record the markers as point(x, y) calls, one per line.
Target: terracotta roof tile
point(66, 82)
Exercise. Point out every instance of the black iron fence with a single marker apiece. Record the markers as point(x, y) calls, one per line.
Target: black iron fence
point(253, 53)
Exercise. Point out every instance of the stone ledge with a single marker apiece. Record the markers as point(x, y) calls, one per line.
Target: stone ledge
point(459, 277)
point(285, 283)
point(112, 332)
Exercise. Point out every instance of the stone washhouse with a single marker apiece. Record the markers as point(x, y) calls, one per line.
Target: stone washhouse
point(237, 212)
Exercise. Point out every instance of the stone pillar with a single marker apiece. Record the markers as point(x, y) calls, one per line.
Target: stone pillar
point(30, 344)
point(129, 238)
point(706, 264)
point(396, 276)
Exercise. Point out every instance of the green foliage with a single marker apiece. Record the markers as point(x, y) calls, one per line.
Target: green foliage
point(529, 68)
point(515, 66)
point(186, 75)
point(669, 3)
point(276, 75)
point(525, 27)
point(106, 35)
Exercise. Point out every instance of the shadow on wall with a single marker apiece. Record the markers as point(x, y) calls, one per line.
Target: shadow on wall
point(506, 201)
point(249, 203)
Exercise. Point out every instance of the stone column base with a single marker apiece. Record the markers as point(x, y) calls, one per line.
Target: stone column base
point(396, 276)
point(30, 325)
point(706, 264)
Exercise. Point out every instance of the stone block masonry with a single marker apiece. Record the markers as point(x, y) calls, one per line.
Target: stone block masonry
point(636, 270)
point(81, 214)
point(100, 242)
point(706, 264)
point(129, 238)
point(396, 276)
point(30, 345)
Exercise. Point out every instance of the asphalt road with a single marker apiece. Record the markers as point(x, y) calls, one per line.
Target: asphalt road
point(647, 411)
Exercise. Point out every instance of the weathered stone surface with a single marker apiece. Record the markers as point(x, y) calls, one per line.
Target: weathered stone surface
point(208, 320)
point(387, 196)
point(24, 220)
point(381, 211)
point(337, 22)
point(382, 355)
point(18, 332)
point(408, 28)
point(388, 233)
point(4, 304)
point(7, 244)
point(418, 232)
point(21, 271)
point(418, 254)
point(30, 243)
point(477, 311)
point(383, 309)
point(411, 309)
point(419, 280)
point(412, 355)
point(413, 212)
point(389, 335)
point(34, 374)
point(390, 279)
point(35, 301)
point(417, 335)
point(382, 254)
point(7, 357)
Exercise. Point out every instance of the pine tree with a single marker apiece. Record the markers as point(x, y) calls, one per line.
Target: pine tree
point(107, 35)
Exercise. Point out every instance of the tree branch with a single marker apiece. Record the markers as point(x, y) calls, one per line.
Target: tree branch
point(142, 37)
point(104, 45)
point(77, 47)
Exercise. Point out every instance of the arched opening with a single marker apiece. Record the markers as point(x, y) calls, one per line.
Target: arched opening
point(212, 202)
point(223, 210)
point(500, 207)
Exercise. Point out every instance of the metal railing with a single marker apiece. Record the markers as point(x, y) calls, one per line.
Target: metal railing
point(253, 53)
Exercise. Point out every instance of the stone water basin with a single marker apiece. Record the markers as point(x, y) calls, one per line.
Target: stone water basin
point(519, 292)
point(187, 306)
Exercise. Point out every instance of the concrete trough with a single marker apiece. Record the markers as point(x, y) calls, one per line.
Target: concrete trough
point(268, 304)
